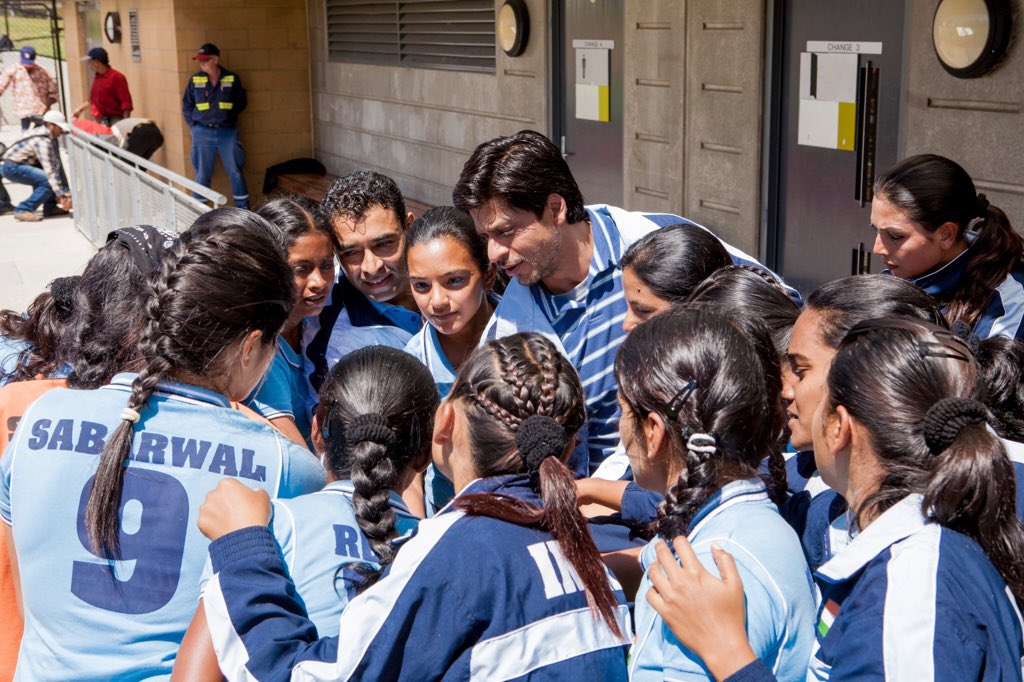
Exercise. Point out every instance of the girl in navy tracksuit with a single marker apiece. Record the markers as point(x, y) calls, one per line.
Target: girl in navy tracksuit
point(527, 594)
point(930, 586)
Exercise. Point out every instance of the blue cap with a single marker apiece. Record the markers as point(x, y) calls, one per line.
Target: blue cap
point(28, 55)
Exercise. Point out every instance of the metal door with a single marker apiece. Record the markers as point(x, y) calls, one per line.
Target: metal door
point(825, 150)
point(590, 41)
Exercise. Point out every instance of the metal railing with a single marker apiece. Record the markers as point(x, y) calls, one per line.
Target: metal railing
point(113, 188)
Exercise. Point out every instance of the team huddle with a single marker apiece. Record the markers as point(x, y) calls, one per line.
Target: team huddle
point(518, 437)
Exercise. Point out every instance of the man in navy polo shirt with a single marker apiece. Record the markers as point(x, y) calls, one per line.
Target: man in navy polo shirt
point(214, 97)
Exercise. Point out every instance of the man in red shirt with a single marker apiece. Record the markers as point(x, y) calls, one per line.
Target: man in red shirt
point(109, 96)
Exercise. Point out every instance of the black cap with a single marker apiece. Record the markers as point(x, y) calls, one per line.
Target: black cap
point(206, 51)
point(99, 54)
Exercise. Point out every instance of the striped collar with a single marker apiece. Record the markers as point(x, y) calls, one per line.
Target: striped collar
point(729, 495)
point(607, 253)
point(898, 522)
point(171, 388)
point(347, 489)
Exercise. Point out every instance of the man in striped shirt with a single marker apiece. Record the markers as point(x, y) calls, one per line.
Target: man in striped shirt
point(563, 260)
point(34, 160)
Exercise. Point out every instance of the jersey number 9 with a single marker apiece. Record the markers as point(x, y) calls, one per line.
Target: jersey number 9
point(152, 545)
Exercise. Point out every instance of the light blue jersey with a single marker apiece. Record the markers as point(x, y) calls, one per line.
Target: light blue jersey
point(319, 536)
point(779, 593)
point(285, 391)
point(90, 618)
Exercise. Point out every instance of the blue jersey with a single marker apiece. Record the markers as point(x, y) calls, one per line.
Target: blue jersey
point(776, 583)
point(348, 322)
point(1004, 313)
point(91, 618)
point(911, 600)
point(319, 538)
point(466, 598)
point(285, 391)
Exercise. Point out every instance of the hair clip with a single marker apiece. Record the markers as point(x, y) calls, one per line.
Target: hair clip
point(680, 398)
point(937, 349)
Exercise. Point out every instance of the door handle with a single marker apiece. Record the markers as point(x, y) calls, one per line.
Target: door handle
point(867, 132)
point(565, 154)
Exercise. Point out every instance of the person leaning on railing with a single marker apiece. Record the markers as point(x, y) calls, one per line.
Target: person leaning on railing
point(34, 160)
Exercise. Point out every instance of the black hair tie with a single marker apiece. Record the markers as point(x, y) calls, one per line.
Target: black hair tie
point(62, 290)
point(373, 428)
point(962, 331)
point(538, 438)
point(946, 418)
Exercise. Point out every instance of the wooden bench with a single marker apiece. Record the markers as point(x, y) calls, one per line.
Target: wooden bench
point(315, 186)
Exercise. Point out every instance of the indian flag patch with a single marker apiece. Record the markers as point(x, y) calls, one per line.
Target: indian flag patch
point(828, 616)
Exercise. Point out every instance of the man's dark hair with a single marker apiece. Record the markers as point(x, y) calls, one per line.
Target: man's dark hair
point(522, 169)
point(353, 195)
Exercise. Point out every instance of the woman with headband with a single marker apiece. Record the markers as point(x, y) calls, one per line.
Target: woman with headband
point(934, 229)
point(931, 585)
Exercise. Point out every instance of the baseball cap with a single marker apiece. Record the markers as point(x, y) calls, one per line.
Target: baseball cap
point(206, 51)
point(97, 53)
point(28, 55)
point(56, 118)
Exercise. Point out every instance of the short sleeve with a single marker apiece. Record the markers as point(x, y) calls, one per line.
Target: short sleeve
point(274, 398)
point(301, 471)
point(6, 465)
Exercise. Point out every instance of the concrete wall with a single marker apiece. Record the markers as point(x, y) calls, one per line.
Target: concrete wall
point(265, 41)
point(420, 125)
point(979, 123)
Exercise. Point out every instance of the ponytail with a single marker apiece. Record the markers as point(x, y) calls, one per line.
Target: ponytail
point(43, 327)
point(996, 251)
point(524, 405)
point(376, 414)
point(212, 289)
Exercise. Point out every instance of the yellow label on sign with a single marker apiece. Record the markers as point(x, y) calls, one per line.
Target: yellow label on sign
point(847, 133)
point(603, 103)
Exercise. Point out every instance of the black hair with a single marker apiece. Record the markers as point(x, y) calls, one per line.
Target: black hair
point(296, 216)
point(933, 190)
point(502, 386)
point(1001, 365)
point(394, 386)
point(103, 332)
point(672, 261)
point(42, 327)
point(749, 291)
point(706, 376)
point(522, 170)
point(889, 374)
point(448, 221)
point(353, 195)
point(214, 287)
point(842, 303)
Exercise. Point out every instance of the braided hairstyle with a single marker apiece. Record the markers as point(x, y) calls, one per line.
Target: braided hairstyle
point(42, 327)
point(214, 288)
point(915, 388)
point(376, 415)
point(933, 190)
point(705, 375)
point(524, 404)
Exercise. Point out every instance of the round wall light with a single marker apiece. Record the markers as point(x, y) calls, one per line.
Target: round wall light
point(970, 37)
point(513, 27)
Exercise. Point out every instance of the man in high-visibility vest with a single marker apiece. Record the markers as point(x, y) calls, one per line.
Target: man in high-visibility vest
point(214, 97)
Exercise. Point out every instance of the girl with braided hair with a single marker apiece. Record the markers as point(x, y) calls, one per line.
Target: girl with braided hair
point(504, 583)
point(375, 418)
point(697, 423)
point(934, 229)
point(931, 586)
point(109, 561)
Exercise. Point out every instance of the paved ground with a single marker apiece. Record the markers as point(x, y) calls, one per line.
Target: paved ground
point(32, 254)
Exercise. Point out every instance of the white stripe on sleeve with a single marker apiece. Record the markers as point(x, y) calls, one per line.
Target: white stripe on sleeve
point(908, 628)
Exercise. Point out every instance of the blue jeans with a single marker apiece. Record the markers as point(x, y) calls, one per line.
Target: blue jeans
point(207, 145)
point(30, 175)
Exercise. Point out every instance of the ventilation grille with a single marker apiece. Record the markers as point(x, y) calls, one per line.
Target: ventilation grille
point(440, 34)
point(133, 33)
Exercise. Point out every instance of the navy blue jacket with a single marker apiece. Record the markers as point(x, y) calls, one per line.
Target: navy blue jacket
point(215, 106)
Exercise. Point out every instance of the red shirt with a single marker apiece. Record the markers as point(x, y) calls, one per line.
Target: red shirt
point(109, 95)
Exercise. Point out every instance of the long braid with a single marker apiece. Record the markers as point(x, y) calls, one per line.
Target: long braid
point(374, 474)
point(693, 488)
point(102, 516)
